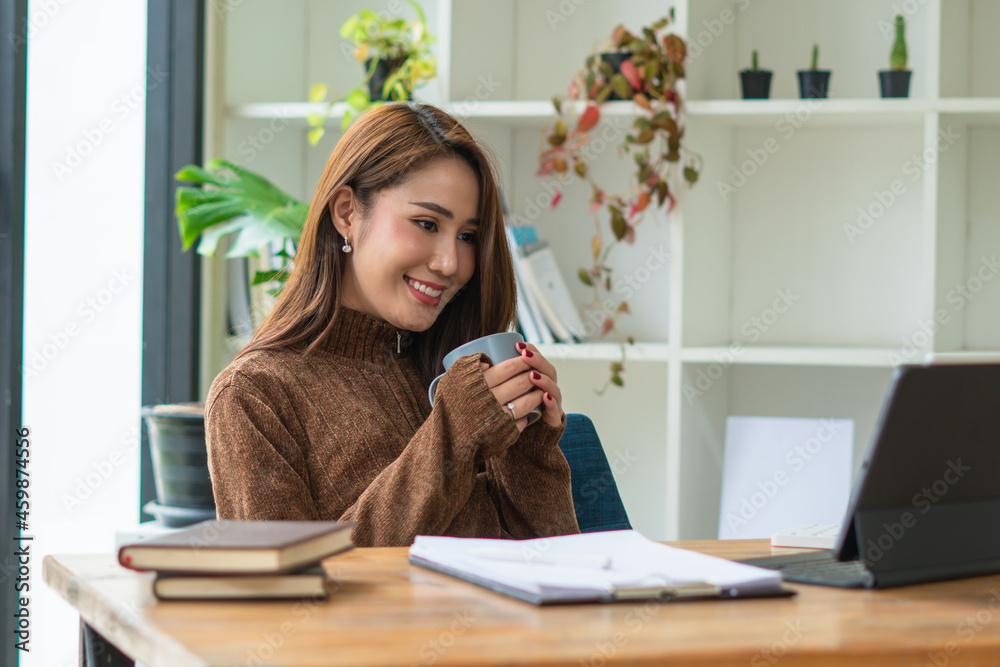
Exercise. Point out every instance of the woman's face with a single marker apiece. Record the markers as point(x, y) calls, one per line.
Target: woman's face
point(418, 247)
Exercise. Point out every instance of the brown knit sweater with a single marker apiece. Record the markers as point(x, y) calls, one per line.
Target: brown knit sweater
point(347, 433)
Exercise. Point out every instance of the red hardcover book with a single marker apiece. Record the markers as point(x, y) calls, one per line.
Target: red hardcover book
point(239, 547)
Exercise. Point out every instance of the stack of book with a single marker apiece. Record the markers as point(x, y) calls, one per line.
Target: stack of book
point(545, 309)
point(240, 559)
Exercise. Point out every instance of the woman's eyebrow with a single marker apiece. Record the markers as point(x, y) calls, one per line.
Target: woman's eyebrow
point(437, 208)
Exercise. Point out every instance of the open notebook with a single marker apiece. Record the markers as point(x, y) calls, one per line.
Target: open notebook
point(592, 567)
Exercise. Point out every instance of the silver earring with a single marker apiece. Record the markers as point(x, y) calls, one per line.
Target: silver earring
point(347, 245)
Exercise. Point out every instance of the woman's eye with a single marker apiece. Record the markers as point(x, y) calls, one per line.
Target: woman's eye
point(429, 225)
point(468, 237)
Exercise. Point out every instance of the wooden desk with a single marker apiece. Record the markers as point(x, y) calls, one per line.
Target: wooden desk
point(387, 612)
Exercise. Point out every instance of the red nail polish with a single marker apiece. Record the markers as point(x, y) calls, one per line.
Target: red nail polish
point(548, 396)
point(535, 375)
point(528, 353)
point(519, 346)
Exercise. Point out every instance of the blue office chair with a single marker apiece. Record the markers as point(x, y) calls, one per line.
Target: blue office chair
point(595, 494)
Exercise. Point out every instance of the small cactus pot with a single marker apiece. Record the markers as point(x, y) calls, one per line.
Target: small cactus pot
point(814, 83)
point(756, 85)
point(895, 83)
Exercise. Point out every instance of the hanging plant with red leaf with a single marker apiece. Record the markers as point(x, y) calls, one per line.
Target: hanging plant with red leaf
point(648, 77)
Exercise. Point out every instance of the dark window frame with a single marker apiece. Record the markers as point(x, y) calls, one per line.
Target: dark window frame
point(13, 101)
point(171, 278)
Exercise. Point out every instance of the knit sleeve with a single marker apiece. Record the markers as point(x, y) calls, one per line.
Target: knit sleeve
point(425, 488)
point(258, 469)
point(530, 483)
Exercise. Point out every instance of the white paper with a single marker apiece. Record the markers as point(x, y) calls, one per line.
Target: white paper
point(634, 561)
point(782, 471)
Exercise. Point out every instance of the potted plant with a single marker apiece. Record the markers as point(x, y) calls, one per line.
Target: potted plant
point(180, 464)
point(650, 78)
point(755, 82)
point(397, 60)
point(225, 200)
point(814, 82)
point(610, 63)
point(895, 82)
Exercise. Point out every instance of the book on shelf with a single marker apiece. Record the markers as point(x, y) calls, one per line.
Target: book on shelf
point(309, 581)
point(239, 547)
point(524, 324)
point(529, 315)
point(539, 273)
point(593, 567)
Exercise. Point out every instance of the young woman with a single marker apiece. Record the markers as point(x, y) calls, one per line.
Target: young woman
point(325, 416)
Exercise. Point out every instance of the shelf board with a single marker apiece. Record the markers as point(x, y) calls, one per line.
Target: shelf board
point(511, 113)
point(518, 114)
point(866, 357)
point(804, 355)
point(968, 357)
point(507, 112)
point(296, 111)
point(971, 110)
point(604, 352)
point(812, 113)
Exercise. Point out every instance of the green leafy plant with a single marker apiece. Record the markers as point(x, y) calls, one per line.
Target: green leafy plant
point(753, 62)
point(649, 78)
point(897, 58)
point(814, 65)
point(228, 199)
point(403, 46)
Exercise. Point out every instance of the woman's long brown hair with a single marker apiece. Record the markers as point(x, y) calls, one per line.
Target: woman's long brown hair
point(380, 150)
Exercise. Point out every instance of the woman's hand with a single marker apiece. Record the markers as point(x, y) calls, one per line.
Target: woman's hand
point(526, 382)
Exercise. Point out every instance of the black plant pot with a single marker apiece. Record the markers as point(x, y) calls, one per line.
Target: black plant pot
point(814, 83)
point(383, 68)
point(895, 83)
point(616, 59)
point(756, 85)
point(180, 462)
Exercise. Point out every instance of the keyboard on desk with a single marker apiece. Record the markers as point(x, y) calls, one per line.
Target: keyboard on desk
point(818, 567)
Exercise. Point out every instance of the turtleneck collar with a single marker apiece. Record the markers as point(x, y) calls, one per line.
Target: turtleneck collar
point(358, 335)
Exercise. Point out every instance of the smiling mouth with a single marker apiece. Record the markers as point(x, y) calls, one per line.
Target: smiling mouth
point(424, 288)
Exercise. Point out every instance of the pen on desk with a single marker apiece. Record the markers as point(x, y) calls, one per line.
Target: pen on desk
point(589, 561)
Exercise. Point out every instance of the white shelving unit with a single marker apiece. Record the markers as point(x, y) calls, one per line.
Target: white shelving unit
point(826, 242)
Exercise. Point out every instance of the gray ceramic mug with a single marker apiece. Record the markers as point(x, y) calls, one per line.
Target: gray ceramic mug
point(498, 347)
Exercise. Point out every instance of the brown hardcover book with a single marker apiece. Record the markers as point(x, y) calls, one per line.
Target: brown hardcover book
point(309, 582)
point(239, 547)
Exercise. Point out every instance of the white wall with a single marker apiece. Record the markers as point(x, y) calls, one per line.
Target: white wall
point(83, 288)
